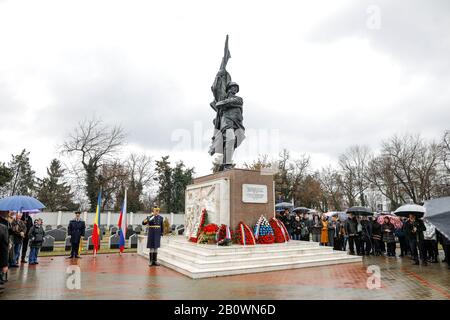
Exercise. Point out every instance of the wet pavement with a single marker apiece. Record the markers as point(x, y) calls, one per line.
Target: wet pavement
point(110, 276)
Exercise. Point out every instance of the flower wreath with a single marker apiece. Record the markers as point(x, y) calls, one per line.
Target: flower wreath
point(224, 235)
point(199, 226)
point(263, 231)
point(244, 235)
point(280, 231)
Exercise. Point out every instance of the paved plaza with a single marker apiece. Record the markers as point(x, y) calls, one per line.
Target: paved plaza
point(110, 276)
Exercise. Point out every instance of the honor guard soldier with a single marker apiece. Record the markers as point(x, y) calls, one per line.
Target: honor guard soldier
point(76, 230)
point(155, 225)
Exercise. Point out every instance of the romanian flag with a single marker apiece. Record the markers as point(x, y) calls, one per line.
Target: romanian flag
point(123, 224)
point(96, 232)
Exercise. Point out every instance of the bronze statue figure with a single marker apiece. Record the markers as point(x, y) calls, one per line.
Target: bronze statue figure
point(229, 131)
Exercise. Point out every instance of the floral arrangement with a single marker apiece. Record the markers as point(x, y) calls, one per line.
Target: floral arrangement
point(244, 235)
point(263, 231)
point(280, 232)
point(199, 226)
point(208, 234)
point(224, 236)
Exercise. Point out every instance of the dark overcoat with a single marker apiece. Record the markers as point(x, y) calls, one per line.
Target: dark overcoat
point(155, 231)
point(76, 230)
point(4, 246)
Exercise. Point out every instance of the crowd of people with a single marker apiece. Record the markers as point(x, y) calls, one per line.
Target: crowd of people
point(19, 236)
point(365, 235)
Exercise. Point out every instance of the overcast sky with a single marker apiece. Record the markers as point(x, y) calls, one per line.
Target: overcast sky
point(315, 76)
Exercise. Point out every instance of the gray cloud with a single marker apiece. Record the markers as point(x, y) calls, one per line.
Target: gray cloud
point(153, 76)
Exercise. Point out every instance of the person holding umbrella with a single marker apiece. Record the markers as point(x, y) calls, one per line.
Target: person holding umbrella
point(306, 225)
point(401, 235)
point(366, 236)
point(18, 233)
point(351, 228)
point(316, 227)
point(286, 219)
point(414, 229)
point(26, 218)
point(4, 247)
point(388, 231)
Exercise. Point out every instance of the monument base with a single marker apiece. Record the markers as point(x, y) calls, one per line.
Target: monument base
point(229, 197)
point(204, 261)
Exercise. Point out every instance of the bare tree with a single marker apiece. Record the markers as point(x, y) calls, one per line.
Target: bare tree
point(353, 164)
point(414, 165)
point(94, 143)
point(381, 178)
point(262, 162)
point(282, 185)
point(298, 171)
point(141, 175)
point(330, 180)
point(114, 179)
point(446, 150)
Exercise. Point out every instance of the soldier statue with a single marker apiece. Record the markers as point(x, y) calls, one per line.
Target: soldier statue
point(229, 131)
point(155, 225)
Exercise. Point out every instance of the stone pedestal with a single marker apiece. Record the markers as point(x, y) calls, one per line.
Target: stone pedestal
point(229, 197)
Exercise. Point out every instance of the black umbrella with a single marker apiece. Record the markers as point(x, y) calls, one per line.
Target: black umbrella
point(407, 209)
point(438, 214)
point(360, 211)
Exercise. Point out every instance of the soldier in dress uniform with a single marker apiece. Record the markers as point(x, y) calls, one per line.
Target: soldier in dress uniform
point(76, 230)
point(155, 225)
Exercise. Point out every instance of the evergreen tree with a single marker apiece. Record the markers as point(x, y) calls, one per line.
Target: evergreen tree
point(172, 184)
point(164, 177)
point(5, 175)
point(54, 192)
point(181, 177)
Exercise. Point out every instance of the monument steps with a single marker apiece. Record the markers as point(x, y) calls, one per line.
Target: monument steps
point(248, 251)
point(219, 255)
point(203, 261)
point(239, 260)
point(197, 273)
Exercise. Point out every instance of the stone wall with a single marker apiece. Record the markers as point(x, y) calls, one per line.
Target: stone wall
point(63, 218)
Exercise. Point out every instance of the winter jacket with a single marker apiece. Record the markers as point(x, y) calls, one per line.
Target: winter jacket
point(28, 223)
point(333, 229)
point(366, 230)
point(351, 227)
point(287, 222)
point(376, 230)
point(296, 227)
point(418, 233)
point(388, 230)
point(430, 232)
point(306, 227)
point(4, 246)
point(17, 227)
point(36, 236)
point(317, 225)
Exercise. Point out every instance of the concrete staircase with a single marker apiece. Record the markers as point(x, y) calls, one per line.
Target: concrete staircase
point(204, 261)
